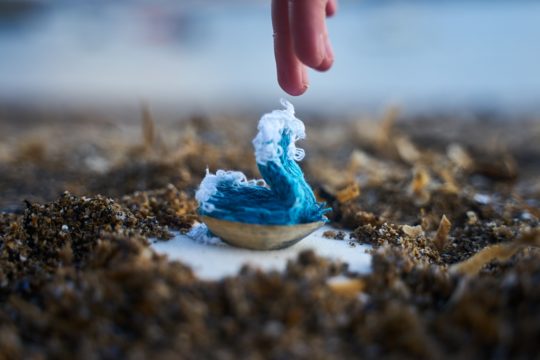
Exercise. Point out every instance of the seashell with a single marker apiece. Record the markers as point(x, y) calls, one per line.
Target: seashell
point(259, 237)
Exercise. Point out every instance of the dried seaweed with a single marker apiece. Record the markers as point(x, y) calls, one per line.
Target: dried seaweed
point(441, 237)
point(499, 252)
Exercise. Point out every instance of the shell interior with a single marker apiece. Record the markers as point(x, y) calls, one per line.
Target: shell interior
point(259, 237)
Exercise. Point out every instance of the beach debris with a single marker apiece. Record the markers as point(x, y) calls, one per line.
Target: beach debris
point(344, 286)
point(350, 192)
point(384, 134)
point(499, 252)
point(406, 150)
point(441, 236)
point(413, 231)
point(334, 235)
point(472, 218)
point(148, 129)
point(419, 187)
point(459, 156)
point(482, 199)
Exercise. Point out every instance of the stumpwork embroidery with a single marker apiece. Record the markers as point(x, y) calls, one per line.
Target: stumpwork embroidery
point(282, 197)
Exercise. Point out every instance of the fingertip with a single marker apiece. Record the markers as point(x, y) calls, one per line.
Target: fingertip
point(309, 31)
point(331, 8)
point(326, 64)
point(328, 59)
point(294, 86)
point(291, 74)
point(296, 91)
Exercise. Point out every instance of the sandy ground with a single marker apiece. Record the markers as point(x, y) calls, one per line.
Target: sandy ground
point(448, 209)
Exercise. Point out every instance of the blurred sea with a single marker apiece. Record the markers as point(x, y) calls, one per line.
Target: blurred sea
point(218, 54)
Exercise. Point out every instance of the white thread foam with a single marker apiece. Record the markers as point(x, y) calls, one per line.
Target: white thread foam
point(200, 234)
point(271, 127)
point(208, 186)
point(210, 182)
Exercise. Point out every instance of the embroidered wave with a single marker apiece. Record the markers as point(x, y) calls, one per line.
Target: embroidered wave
point(283, 197)
point(271, 128)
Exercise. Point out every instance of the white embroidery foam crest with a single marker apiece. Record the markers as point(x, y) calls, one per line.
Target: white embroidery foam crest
point(271, 127)
point(208, 186)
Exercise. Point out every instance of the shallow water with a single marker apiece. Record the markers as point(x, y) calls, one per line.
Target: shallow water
point(209, 55)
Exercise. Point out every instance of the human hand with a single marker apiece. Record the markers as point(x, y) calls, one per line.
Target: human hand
point(300, 40)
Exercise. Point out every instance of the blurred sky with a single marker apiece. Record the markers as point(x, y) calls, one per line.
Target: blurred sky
point(218, 54)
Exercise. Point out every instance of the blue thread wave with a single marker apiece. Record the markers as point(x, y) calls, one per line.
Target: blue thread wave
point(288, 200)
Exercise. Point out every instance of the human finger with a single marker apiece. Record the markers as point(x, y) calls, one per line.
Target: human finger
point(292, 75)
point(309, 31)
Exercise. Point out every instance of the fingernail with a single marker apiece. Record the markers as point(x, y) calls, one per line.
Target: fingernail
point(321, 47)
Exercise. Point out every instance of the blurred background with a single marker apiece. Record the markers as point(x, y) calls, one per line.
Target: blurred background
point(192, 56)
point(110, 97)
